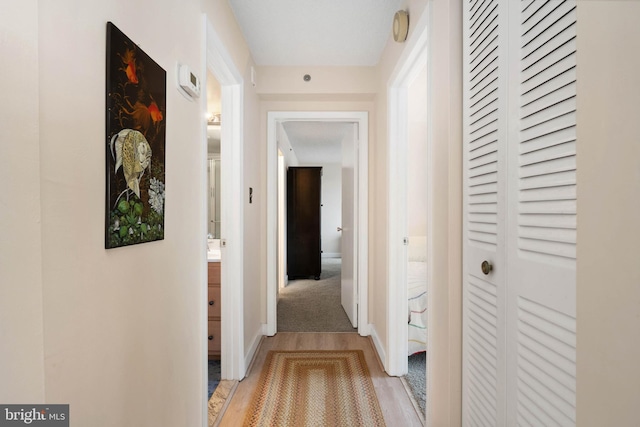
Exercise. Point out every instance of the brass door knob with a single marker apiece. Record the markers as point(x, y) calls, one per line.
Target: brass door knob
point(486, 267)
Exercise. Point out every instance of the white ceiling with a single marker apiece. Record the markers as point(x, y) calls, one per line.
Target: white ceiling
point(316, 32)
point(317, 143)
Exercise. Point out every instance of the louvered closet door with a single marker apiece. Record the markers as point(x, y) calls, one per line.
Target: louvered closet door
point(541, 254)
point(519, 325)
point(485, 71)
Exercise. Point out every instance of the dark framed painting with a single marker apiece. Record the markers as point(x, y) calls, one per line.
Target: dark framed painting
point(135, 143)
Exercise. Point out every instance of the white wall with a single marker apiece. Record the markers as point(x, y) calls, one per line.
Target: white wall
point(254, 277)
point(324, 80)
point(608, 271)
point(21, 329)
point(123, 329)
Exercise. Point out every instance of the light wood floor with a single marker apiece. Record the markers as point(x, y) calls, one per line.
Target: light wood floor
point(394, 401)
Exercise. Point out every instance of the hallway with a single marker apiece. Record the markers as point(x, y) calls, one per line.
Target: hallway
point(140, 312)
point(392, 396)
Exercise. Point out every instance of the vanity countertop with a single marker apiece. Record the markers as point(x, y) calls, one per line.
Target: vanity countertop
point(213, 250)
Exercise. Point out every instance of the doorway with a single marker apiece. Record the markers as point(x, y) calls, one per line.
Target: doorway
point(316, 294)
point(358, 289)
point(399, 189)
point(214, 259)
point(416, 218)
point(436, 40)
point(221, 66)
point(410, 220)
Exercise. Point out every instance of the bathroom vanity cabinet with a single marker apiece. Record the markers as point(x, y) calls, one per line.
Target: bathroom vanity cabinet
point(214, 310)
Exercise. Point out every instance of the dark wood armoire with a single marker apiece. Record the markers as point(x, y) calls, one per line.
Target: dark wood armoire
point(303, 222)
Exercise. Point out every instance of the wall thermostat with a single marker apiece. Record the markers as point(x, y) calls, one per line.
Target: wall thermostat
point(189, 81)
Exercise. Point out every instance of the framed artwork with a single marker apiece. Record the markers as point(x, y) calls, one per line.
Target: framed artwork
point(135, 144)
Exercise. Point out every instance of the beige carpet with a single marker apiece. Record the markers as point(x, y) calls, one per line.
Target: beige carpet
point(314, 305)
point(315, 388)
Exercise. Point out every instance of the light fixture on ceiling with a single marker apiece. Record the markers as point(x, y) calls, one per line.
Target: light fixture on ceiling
point(213, 119)
point(400, 26)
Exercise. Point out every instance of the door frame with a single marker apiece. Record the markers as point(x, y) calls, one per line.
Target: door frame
point(439, 31)
point(410, 65)
point(220, 63)
point(362, 208)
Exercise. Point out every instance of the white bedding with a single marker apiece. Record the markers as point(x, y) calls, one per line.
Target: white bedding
point(417, 287)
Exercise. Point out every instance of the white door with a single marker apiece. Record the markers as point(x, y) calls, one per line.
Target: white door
point(541, 225)
point(484, 293)
point(349, 289)
point(519, 209)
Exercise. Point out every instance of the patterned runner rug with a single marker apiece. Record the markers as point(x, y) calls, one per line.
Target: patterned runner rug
point(315, 388)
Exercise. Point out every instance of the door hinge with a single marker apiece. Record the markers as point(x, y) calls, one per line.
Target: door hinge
point(405, 241)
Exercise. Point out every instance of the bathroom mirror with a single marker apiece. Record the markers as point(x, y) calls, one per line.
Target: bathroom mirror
point(213, 151)
point(213, 178)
